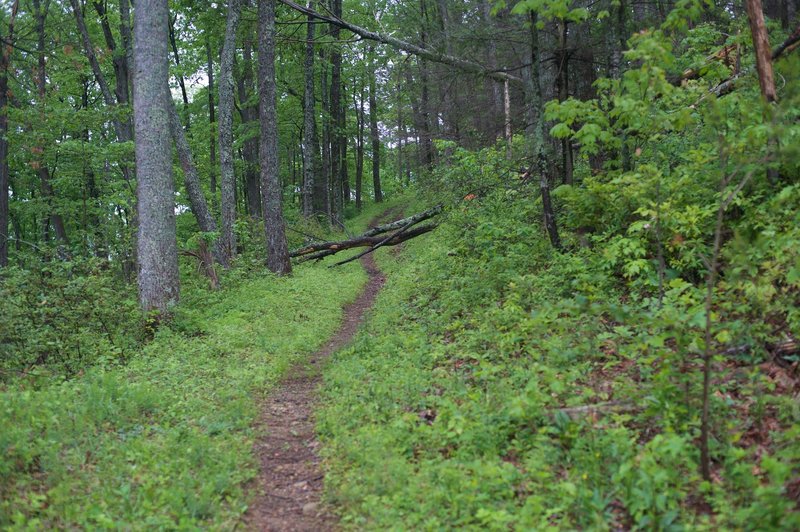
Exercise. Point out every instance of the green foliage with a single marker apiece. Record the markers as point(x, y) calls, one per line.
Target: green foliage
point(502, 385)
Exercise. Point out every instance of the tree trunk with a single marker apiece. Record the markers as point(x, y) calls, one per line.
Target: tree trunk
point(344, 175)
point(226, 108)
point(249, 114)
point(212, 119)
point(766, 78)
point(375, 137)
point(360, 147)
point(174, 43)
point(159, 284)
point(536, 133)
point(337, 200)
point(5, 61)
point(309, 125)
point(563, 94)
point(44, 173)
point(277, 247)
point(191, 181)
point(322, 191)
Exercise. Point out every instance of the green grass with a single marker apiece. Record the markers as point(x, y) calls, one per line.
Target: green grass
point(167, 440)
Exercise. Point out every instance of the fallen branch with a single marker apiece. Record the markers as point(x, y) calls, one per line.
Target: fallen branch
point(363, 241)
point(616, 407)
point(376, 246)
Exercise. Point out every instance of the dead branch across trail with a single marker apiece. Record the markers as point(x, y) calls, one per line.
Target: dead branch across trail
point(374, 238)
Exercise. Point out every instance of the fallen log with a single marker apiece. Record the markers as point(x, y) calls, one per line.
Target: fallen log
point(364, 238)
point(360, 241)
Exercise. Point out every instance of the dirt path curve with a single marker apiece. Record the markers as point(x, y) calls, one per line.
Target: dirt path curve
point(290, 481)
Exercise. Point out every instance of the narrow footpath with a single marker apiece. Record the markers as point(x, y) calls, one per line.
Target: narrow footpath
point(291, 478)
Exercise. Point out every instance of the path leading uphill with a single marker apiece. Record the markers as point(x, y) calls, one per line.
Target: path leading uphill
point(290, 481)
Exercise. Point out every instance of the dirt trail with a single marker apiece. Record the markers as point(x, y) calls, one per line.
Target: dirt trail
point(290, 481)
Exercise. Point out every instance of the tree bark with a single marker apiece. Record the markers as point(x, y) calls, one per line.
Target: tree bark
point(322, 193)
point(309, 124)
point(766, 78)
point(249, 114)
point(5, 62)
point(375, 137)
point(212, 119)
point(159, 283)
point(335, 103)
point(174, 44)
point(536, 134)
point(225, 124)
point(274, 227)
point(56, 220)
point(191, 181)
point(360, 147)
point(563, 94)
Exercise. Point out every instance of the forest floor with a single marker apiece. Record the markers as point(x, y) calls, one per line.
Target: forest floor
point(290, 482)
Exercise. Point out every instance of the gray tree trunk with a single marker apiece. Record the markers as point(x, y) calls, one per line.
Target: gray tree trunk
point(322, 193)
point(225, 123)
point(337, 200)
point(249, 114)
point(536, 134)
point(360, 146)
point(159, 284)
point(212, 119)
point(376, 140)
point(5, 59)
point(274, 227)
point(191, 181)
point(309, 124)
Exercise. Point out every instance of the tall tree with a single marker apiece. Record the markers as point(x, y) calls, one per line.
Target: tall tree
point(309, 123)
point(375, 137)
point(159, 284)
point(274, 227)
point(5, 62)
point(225, 124)
point(249, 115)
point(337, 129)
point(536, 132)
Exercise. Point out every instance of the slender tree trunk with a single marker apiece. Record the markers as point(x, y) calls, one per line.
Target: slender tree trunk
point(226, 154)
point(212, 119)
point(277, 247)
point(336, 116)
point(344, 175)
point(491, 54)
point(159, 284)
point(119, 57)
point(56, 219)
point(563, 94)
point(323, 193)
point(360, 148)
point(174, 44)
point(376, 141)
point(536, 133)
point(249, 115)
point(5, 61)
point(191, 181)
point(309, 125)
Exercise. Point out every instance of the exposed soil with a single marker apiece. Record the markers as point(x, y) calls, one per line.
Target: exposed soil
point(291, 478)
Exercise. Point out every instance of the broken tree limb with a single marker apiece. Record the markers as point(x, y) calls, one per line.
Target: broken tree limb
point(385, 228)
point(424, 53)
point(376, 246)
point(364, 241)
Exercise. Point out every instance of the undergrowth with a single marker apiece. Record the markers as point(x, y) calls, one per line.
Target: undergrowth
point(502, 385)
point(158, 435)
